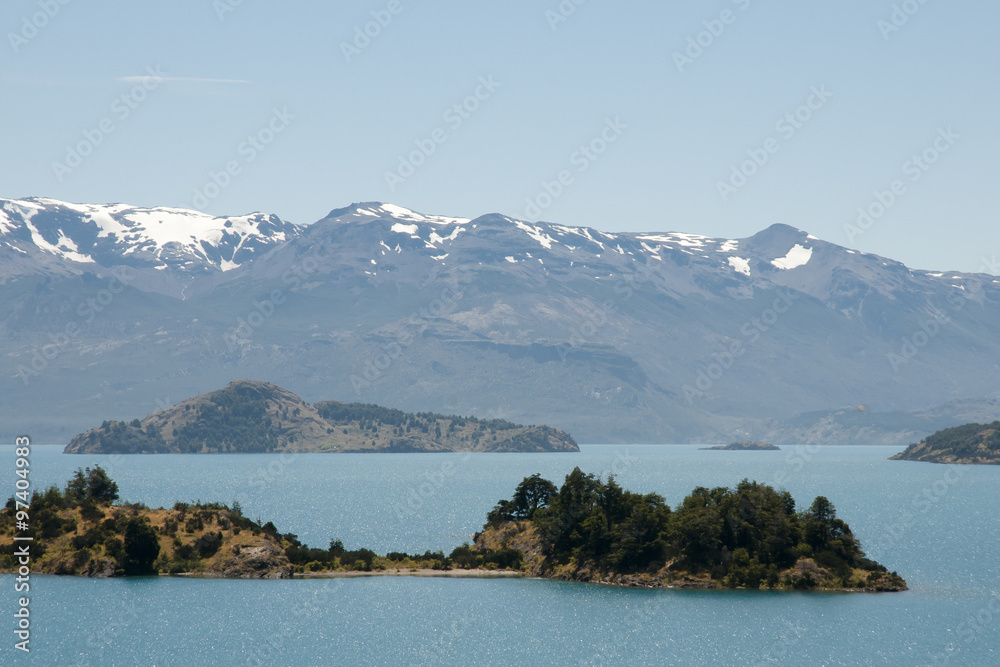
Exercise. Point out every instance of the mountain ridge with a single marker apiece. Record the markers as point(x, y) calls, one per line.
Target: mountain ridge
point(623, 337)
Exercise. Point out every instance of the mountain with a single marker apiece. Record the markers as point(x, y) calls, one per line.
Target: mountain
point(248, 416)
point(970, 443)
point(624, 337)
point(162, 249)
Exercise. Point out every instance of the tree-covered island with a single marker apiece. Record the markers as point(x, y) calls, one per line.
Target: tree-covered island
point(748, 537)
point(586, 530)
point(249, 416)
point(974, 444)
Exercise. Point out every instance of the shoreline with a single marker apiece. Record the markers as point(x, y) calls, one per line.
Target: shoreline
point(676, 585)
point(407, 572)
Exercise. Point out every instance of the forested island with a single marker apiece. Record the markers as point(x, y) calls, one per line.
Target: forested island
point(743, 446)
point(254, 417)
point(751, 537)
point(967, 444)
point(587, 530)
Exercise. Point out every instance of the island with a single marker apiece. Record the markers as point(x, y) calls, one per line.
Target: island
point(743, 446)
point(975, 444)
point(258, 417)
point(587, 531)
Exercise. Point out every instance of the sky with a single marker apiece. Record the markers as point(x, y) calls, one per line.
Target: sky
point(871, 124)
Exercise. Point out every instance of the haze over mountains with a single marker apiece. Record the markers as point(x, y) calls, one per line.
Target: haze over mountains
point(114, 311)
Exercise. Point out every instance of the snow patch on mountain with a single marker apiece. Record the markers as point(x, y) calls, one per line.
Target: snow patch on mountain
point(740, 265)
point(401, 213)
point(536, 233)
point(400, 228)
point(797, 256)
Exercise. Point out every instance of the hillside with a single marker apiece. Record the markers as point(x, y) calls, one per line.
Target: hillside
point(81, 530)
point(968, 444)
point(248, 416)
point(646, 336)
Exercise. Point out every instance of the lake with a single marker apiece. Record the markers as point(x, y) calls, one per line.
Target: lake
point(936, 525)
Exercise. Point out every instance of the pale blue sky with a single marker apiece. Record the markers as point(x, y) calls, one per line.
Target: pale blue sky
point(683, 130)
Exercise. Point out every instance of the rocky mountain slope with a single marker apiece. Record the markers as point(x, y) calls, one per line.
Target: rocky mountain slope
point(625, 337)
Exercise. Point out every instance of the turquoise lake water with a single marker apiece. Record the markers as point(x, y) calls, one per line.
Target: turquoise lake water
point(937, 526)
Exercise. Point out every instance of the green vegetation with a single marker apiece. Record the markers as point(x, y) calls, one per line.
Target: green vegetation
point(376, 414)
point(748, 537)
point(232, 420)
point(970, 443)
point(117, 437)
point(81, 531)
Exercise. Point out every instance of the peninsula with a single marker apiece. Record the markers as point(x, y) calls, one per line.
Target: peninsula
point(977, 444)
point(255, 417)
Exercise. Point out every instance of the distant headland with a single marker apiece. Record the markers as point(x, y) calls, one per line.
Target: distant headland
point(257, 417)
point(977, 444)
point(743, 446)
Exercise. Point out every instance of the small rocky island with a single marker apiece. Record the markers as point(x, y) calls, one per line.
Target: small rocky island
point(255, 417)
point(587, 530)
point(743, 446)
point(975, 444)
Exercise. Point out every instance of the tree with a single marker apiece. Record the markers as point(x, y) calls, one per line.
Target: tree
point(141, 547)
point(100, 486)
point(533, 492)
point(819, 522)
point(501, 513)
point(336, 548)
point(93, 483)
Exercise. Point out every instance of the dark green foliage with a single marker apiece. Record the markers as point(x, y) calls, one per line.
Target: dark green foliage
point(299, 555)
point(743, 535)
point(372, 417)
point(118, 437)
point(365, 556)
point(233, 419)
point(466, 557)
point(89, 539)
point(964, 440)
point(141, 547)
point(115, 549)
point(89, 511)
point(531, 494)
point(93, 484)
point(184, 551)
point(336, 548)
point(208, 544)
point(969, 443)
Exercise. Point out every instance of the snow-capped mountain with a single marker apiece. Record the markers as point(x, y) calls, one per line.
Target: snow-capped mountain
point(387, 243)
point(185, 244)
point(616, 337)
